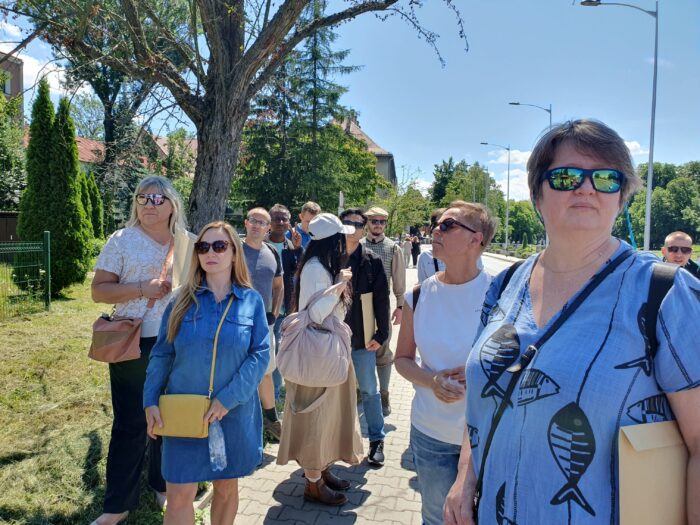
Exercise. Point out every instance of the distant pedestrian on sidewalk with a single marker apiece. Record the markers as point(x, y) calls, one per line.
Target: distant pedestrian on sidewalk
point(367, 278)
point(415, 247)
point(127, 274)
point(406, 248)
point(395, 270)
point(318, 437)
point(265, 268)
point(218, 285)
point(443, 326)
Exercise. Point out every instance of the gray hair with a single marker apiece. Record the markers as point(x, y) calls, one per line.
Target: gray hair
point(589, 137)
point(165, 187)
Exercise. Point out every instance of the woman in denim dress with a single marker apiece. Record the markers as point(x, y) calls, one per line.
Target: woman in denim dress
point(181, 363)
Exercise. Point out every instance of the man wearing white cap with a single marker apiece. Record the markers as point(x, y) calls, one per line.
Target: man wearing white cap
point(392, 259)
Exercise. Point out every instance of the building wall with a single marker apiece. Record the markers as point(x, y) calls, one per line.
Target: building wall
point(15, 86)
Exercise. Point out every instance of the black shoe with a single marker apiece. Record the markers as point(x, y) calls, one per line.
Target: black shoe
point(386, 405)
point(273, 429)
point(376, 453)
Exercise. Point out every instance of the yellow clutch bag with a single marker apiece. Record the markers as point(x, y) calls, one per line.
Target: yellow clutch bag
point(183, 414)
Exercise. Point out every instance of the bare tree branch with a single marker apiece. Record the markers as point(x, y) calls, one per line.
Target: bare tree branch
point(24, 43)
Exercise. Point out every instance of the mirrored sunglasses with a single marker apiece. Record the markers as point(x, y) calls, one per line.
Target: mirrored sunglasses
point(154, 198)
point(203, 247)
point(685, 250)
point(569, 179)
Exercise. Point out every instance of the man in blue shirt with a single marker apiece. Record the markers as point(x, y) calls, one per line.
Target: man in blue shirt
point(308, 211)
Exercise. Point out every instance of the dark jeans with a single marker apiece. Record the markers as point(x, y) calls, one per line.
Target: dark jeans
point(415, 258)
point(276, 376)
point(129, 441)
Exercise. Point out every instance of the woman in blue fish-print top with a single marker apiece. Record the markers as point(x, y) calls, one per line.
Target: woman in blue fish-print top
point(180, 363)
point(553, 455)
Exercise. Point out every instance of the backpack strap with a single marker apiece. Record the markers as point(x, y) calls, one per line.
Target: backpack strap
point(662, 277)
point(506, 278)
point(416, 295)
point(435, 264)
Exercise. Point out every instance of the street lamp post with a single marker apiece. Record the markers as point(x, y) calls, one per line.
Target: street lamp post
point(650, 169)
point(507, 148)
point(548, 110)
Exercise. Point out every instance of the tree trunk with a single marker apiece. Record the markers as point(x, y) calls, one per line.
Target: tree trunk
point(219, 135)
point(109, 124)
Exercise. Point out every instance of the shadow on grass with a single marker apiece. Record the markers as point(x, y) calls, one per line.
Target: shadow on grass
point(15, 457)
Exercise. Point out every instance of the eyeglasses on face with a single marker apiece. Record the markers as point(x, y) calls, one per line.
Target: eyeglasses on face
point(378, 222)
point(568, 179)
point(257, 222)
point(357, 224)
point(202, 247)
point(450, 223)
point(685, 250)
point(154, 198)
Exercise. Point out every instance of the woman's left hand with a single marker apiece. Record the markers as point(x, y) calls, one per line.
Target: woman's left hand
point(216, 412)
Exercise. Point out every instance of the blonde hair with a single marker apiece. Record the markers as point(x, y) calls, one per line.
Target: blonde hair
point(163, 185)
point(187, 295)
point(479, 218)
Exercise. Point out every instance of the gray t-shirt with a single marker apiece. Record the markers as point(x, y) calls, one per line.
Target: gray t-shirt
point(263, 267)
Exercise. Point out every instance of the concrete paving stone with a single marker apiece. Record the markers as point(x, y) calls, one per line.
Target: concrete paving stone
point(324, 518)
point(304, 515)
point(387, 515)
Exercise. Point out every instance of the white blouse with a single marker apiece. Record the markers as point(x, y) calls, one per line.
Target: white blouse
point(133, 256)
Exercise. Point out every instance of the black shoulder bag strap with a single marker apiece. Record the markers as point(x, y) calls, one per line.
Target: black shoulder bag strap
point(528, 355)
point(662, 278)
point(435, 264)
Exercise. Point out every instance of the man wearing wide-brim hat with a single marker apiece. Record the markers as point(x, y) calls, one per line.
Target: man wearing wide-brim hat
point(392, 259)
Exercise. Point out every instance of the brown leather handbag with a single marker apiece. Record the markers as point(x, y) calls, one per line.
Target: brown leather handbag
point(116, 338)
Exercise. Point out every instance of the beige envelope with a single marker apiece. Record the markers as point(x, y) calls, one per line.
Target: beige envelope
point(368, 321)
point(182, 255)
point(653, 461)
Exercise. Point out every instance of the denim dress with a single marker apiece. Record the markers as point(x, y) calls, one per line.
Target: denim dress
point(184, 366)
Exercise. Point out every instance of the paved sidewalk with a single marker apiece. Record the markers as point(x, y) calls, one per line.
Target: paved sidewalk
point(387, 495)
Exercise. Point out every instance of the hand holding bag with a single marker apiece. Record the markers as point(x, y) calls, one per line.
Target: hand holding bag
point(116, 338)
point(183, 414)
point(311, 354)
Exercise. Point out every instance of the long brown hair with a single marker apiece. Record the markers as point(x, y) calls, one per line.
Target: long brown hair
point(187, 293)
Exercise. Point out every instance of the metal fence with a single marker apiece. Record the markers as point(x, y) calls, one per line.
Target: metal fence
point(25, 277)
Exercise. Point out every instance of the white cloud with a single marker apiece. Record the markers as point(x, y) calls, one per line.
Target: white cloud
point(10, 31)
point(662, 62)
point(636, 148)
point(423, 185)
point(35, 68)
point(517, 157)
point(518, 183)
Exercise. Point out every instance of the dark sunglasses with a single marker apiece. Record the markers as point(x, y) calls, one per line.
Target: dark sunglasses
point(358, 225)
point(279, 218)
point(450, 223)
point(377, 221)
point(155, 198)
point(202, 247)
point(569, 179)
point(675, 249)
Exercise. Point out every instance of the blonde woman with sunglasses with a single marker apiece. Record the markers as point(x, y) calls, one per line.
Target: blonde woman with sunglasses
point(128, 275)
point(218, 284)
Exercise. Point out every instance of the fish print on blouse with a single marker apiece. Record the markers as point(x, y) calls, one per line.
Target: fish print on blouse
point(654, 409)
point(501, 507)
point(491, 314)
point(534, 385)
point(473, 436)
point(499, 352)
point(572, 444)
point(647, 360)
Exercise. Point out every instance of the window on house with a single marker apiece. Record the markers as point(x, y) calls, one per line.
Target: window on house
point(7, 84)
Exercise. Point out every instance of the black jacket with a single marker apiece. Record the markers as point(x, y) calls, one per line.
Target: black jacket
point(368, 276)
point(290, 259)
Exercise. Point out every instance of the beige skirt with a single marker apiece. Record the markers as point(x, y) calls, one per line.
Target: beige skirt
point(320, 425)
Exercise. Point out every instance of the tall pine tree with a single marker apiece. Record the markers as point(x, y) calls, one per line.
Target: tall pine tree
point(96, 207)
point(72, 231)
point(37, 197)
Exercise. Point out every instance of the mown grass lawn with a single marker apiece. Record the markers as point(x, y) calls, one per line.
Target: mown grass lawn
point(55, 418)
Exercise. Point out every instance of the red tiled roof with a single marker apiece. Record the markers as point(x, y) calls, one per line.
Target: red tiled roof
point(90, 151)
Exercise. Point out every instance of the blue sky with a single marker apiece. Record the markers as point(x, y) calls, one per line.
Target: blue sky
point(585, 61)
